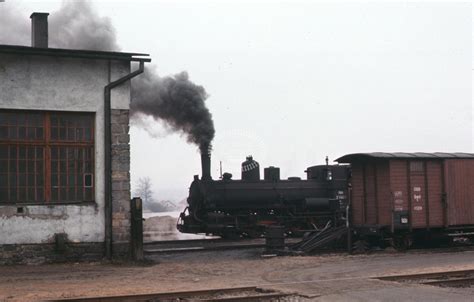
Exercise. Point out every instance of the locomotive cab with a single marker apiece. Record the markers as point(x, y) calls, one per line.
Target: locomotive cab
point(328, 172)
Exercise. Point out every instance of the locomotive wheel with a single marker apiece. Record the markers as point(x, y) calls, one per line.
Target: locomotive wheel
point(360, 247)
point(230, 234)
point(253, 233)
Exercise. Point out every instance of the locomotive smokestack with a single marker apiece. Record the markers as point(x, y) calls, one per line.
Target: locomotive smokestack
point(206, 163)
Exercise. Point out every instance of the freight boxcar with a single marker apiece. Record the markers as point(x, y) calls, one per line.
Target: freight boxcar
point(402, 197)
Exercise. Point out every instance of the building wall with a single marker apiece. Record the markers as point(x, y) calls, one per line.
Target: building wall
point(70, 84)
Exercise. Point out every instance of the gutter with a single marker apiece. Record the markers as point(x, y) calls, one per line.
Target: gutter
point(108, 154)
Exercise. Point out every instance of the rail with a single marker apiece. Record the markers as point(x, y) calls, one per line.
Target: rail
point(251, 293)
point(461, 278)
point(178, 246)
point(434, 275)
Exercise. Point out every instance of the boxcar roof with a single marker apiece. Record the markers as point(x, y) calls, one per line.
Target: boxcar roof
point(403, 155)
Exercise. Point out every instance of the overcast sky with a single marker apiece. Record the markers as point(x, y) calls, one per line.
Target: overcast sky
point(290, 83)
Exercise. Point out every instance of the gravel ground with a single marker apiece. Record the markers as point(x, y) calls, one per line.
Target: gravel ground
point(332, 277)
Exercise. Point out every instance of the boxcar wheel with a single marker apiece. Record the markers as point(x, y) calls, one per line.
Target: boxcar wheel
point(401, 243)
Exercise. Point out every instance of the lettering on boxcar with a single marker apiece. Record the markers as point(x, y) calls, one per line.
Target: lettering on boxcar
point(398, 201)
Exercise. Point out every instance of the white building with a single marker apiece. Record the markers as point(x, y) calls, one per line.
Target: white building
point(64, 175)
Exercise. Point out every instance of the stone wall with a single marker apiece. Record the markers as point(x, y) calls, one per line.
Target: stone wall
point(49, 253)
point(120, 183)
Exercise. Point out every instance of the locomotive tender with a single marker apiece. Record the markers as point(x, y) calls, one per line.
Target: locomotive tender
point(383, 198)
point(230, 208)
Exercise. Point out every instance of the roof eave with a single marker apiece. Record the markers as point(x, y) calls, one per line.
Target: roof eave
point(75, 53)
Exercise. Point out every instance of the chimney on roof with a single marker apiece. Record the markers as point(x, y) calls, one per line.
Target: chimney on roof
point(39, 30)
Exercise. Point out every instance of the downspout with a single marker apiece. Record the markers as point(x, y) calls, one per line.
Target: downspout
point(108, 156)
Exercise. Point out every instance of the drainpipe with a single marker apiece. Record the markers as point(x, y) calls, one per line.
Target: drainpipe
point(108, 156)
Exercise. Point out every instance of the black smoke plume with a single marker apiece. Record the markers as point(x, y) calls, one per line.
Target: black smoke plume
point(78, 26)
point(75, 25)
point(175, 99)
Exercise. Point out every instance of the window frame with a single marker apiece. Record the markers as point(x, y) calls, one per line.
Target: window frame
point(47, 144)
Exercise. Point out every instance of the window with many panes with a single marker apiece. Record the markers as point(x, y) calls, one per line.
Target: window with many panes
point(46, 157)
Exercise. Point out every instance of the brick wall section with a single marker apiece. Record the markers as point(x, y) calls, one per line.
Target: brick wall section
point(120, 183)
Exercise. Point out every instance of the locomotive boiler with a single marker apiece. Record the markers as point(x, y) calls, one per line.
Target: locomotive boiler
point(230, 208)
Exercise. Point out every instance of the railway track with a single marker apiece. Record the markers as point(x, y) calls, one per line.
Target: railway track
point(179, 246)
point(196, 245)
point(186, 241)
point(462, 278)
point(244, 294)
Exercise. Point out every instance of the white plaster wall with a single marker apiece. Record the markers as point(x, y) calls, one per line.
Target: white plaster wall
point(63, 84)
point(40, 223)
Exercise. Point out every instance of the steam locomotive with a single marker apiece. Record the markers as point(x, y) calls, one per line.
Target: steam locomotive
point(245, 207)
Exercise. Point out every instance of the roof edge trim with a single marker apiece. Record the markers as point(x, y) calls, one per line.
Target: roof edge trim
point(403, 155)
point(75, 53)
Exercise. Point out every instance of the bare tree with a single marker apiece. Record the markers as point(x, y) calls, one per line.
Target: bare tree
point(144, 190)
